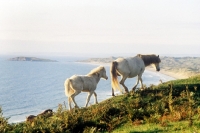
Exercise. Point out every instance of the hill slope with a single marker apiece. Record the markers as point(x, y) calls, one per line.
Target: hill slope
point(168, 107)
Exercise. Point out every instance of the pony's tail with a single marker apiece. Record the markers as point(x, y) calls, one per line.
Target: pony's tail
point(113, 73)
point(67, 85)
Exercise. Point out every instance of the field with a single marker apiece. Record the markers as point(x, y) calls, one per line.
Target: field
point(173, 106)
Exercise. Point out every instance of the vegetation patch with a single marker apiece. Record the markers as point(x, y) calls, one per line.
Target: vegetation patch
point(173, 106)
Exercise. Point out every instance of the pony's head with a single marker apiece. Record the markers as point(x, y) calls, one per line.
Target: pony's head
point(156, 63)
point(151, 59)
point(157, 67)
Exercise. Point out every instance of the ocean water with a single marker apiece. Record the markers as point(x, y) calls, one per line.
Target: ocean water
point(28, 88)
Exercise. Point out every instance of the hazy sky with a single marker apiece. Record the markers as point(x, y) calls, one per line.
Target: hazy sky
point(100, 26)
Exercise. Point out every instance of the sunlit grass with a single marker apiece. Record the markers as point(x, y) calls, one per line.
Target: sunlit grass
point(175, 127)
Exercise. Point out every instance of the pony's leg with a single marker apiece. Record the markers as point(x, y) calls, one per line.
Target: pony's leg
point(113, 92)
point(122, 83)
point(141, 82)
point(95, 97)
point(88, 98)
point(138, 78)
point(73, 96)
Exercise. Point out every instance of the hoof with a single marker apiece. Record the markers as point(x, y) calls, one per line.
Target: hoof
point(142, 89)
point(76, 107)
point(126, 91)
point(133, 89)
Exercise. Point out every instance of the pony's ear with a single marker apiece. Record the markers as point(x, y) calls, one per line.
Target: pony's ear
point(158, 55)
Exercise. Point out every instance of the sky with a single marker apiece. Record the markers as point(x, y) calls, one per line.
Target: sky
point(100, 27)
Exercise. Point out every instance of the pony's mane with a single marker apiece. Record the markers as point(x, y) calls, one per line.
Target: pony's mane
point(149, 59)
point(95, 70)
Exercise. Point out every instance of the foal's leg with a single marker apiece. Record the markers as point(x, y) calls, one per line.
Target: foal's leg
point(88, 98)
point(122, 83)
point(69, 103)
point(95, 98)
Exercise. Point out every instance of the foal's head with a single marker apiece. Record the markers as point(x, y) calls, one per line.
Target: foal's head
point(100, 71)
point(103, 72)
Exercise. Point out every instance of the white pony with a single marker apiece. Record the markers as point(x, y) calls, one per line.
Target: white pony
point(86, 83)
point(131, 67)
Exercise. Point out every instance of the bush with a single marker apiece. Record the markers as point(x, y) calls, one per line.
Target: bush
point(4, 126)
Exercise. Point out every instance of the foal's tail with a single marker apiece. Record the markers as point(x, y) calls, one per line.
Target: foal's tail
point(67, 85)
point(113, 72)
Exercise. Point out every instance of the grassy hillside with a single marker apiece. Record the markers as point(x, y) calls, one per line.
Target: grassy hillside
point(188, 65)
point(173, 106)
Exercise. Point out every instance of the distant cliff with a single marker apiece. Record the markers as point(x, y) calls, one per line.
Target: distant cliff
point(30, 59)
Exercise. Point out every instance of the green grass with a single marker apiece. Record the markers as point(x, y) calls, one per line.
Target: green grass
point(178, 127)
point(173, 106)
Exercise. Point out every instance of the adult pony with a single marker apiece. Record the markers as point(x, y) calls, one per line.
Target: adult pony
point(86, 83)
point(131, 67)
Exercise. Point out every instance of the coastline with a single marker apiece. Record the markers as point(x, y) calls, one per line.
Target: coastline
point(176, 75)
point(170, 73)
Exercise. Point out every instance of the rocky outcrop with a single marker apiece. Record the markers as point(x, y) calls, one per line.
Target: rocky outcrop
point(30, 59)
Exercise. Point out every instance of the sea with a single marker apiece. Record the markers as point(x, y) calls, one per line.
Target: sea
point(29, 88)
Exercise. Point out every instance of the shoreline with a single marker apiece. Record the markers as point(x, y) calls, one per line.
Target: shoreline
point(170, 73)
point(175, 75)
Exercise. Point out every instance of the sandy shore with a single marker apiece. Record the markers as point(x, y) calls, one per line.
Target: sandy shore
point(175, 75)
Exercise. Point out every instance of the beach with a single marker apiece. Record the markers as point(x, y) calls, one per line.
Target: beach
point(176, 75)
